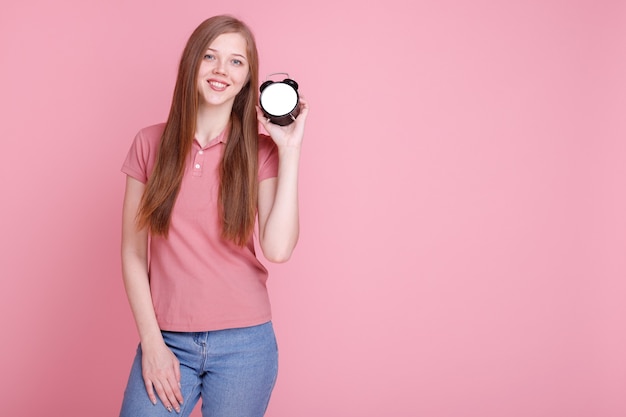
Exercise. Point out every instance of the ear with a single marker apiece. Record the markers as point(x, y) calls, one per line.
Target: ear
point(291, 82)
point(265, 84)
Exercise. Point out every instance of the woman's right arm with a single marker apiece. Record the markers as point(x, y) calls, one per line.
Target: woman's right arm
point(160, 367)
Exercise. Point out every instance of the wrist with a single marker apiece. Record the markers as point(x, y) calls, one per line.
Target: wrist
point(289, 151)
point(151, 340)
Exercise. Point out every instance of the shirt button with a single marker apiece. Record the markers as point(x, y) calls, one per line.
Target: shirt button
point(200, 152)
point(197, 166)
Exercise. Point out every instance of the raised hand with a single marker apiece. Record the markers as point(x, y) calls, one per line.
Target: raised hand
point(290, 135)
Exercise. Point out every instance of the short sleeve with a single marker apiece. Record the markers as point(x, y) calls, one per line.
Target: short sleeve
point(141, 156)
point(268, 158)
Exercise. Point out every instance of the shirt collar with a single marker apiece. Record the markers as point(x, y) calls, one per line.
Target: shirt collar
point(221, 138)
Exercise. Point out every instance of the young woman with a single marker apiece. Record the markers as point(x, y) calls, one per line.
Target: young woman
point(196, 186)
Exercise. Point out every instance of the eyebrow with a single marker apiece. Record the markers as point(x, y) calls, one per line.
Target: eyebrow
point(235, 54)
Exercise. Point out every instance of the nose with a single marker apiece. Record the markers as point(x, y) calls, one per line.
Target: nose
point(219, 67)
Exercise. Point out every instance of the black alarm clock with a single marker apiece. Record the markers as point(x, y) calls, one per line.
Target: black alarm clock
point(279, 100)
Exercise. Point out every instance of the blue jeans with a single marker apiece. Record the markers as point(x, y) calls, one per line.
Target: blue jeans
point(233, 371)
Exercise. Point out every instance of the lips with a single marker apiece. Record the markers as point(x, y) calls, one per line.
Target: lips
point(217, 85)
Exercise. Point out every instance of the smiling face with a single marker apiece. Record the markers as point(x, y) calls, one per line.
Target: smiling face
point(223, 70)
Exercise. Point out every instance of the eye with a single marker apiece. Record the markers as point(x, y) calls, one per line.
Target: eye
point(237, 62)
point(209, 56)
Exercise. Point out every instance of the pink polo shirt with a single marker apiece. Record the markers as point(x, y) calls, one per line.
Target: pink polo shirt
point(199, 281)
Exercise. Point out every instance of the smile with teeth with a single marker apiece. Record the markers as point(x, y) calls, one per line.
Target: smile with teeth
point(217, 85)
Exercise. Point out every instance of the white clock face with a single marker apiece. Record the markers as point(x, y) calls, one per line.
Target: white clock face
point(279, 99)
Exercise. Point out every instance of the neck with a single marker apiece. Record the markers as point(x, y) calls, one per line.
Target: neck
point(210, 122)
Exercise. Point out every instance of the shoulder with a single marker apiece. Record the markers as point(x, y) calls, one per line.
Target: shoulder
point(142, 153)
point(268, 157)
point(266, 146)
point(151, 135)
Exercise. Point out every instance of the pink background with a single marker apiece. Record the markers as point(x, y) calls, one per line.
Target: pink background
point(463, 231)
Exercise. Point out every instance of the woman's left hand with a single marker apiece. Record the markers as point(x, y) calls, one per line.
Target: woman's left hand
point(290, 135)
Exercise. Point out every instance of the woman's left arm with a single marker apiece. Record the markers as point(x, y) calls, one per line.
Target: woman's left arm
point(279, 224)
